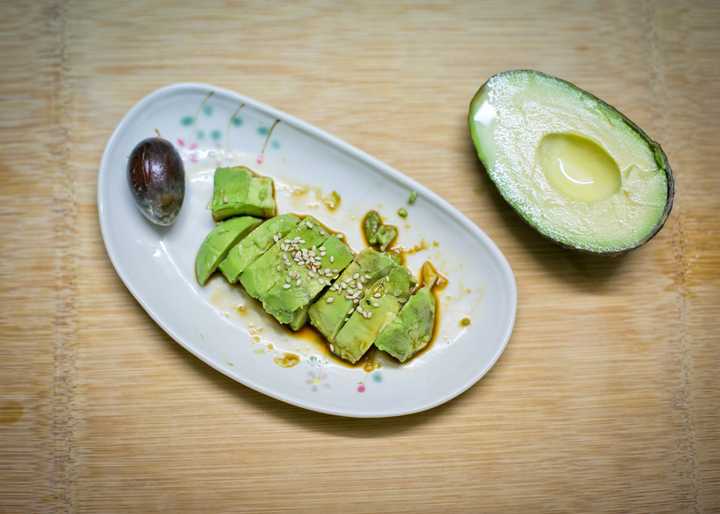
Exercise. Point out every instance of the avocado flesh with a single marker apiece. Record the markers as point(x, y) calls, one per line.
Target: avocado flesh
point(238, 191)
point(411, 330)
point(289, 299)
point(260, 276)
point(376, 310)
point(255, 244)
point(572, 166)
point(328, 314)
point(217, 243)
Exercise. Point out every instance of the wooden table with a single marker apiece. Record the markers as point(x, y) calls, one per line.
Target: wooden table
point(607, 398)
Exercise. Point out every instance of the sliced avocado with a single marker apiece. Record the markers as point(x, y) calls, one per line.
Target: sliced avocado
point(289, 299)
point(266, 271)
point(329, 312)
point(218, 242)
point(379, 306)
point(255, 244)
point(238, 191)
point(571, 165)
point(411, 330)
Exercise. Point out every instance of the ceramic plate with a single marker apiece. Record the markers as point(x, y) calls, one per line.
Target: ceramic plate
point(220, 325)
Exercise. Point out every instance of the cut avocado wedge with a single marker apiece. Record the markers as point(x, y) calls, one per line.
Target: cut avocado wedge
point(329, 313)
point(257, 243)
point(260, 276)
point(289, 299)
point(412, 329)
point(572, 166)
point(239, 191)
point(376, 310)
point(218, 242)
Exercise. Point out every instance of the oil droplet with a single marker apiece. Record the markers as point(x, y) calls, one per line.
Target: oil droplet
point(465, 322)
point(371, 364)
point(10, 412)
point(287, 360)
point(578, 168)
point(241, 309)
point(331, 201)
point(300, 190)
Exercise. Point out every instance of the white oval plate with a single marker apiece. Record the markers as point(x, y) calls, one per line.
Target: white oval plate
point(218, 323)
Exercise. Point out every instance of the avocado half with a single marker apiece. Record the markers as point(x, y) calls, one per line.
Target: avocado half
point(572, 166)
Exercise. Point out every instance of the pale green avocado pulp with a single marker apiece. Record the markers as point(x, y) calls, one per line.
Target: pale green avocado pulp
point(572, 166)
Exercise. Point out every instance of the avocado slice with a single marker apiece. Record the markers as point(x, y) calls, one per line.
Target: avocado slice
point(217, 243)
point(328, 314)
point(377, 309)
point(266, 271)
point(289, 299)
point(571, 165)
point(239, 191)
point(411, 330)
point(255, 244)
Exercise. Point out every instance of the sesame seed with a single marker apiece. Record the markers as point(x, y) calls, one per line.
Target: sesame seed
point(332, 258)
point(356, 301)
point(330, 299)
point(286, 286)
point(377, 295)
point(356, 276)
point(375, 304)
point(298, 282)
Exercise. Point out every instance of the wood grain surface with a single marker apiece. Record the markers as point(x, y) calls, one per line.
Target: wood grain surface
point(607, 397)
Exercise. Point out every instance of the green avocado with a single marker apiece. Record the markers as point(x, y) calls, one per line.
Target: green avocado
point(289, 299)
point(571, 165)
point(218, 242)
point(239, 191)
point(266, 271)
point(328, 314)
point(255, 244)
point(378, 307)
point(412, 329)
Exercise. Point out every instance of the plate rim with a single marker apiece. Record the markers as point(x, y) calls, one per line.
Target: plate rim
point(328, 138)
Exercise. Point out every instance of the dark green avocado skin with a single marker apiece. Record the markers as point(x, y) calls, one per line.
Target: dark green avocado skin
point(660, 158)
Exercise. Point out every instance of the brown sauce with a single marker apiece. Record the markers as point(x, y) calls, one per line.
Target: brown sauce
point(310, 335)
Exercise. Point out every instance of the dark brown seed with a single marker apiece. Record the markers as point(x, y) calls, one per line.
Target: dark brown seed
point(156, 177)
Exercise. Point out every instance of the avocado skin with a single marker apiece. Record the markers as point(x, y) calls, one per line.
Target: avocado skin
point(239, 191)
point(660, 158)
point(329, 318)
point(412, 328)
point(255, 244)
point(217, 243)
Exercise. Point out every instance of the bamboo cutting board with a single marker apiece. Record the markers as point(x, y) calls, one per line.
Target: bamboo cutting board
point(607, 397)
